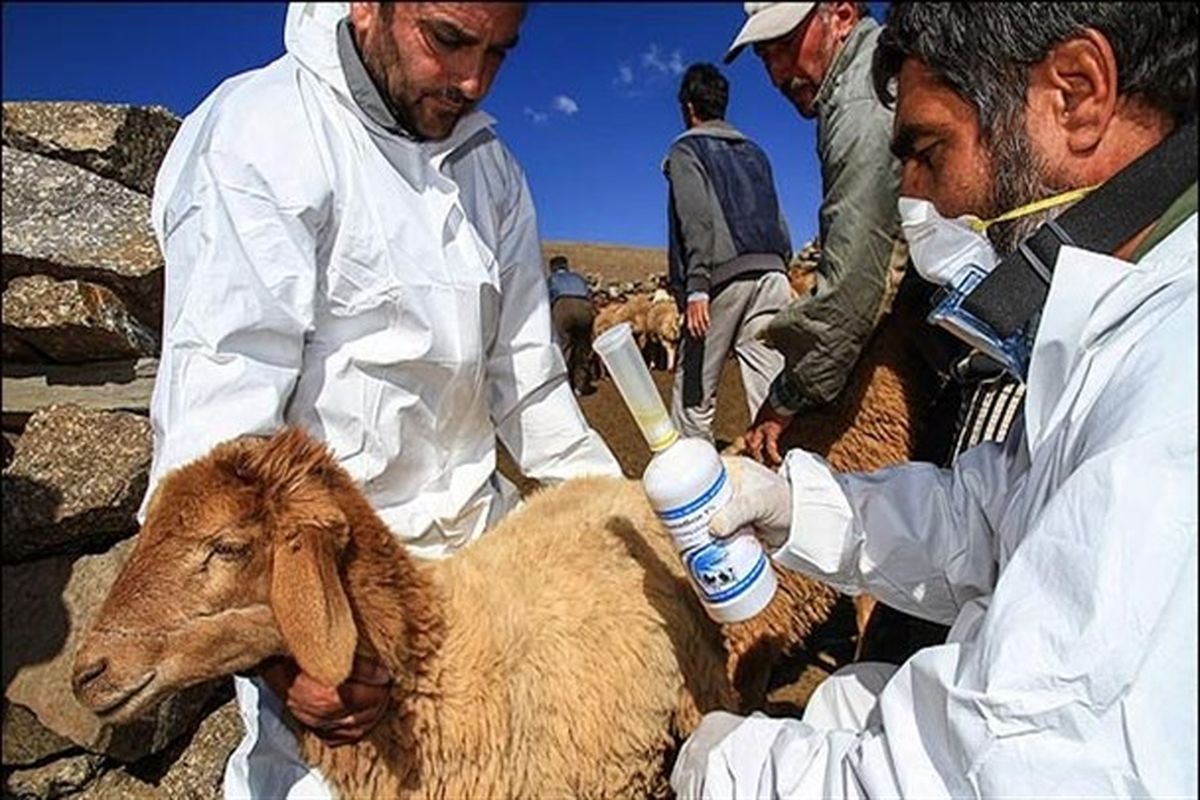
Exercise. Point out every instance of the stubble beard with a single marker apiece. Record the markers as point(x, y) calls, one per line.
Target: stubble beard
point(1018, 179)
point(384, 64)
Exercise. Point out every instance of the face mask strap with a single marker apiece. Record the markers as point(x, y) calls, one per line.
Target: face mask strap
point(1035, 260)
point(981, 225)
point(1010, 296)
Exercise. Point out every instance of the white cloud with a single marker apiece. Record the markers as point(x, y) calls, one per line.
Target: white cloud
point(653, 59)
point(655, 68)
point(566, 105)
point(538, 117)
point(675, 63)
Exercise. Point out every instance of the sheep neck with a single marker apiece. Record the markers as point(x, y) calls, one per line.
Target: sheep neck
point(395, 604)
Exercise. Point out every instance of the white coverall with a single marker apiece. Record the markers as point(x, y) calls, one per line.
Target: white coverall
point(386, 295)
point(1065, 561)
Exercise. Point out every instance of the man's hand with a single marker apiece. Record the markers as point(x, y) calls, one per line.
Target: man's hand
point(761, 502)
point(696, 315)
point(762, 437)
point(339, 716)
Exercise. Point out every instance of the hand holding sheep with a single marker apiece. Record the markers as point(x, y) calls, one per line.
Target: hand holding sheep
point(339, 715)
point(762, 438)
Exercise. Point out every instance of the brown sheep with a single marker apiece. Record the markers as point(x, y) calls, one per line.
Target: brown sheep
point(561, 655)
point(663, 324)
point(802, 278)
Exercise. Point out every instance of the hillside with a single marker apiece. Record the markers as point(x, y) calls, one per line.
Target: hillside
point(612, 263)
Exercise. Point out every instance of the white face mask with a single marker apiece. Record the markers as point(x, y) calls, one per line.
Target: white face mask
point(957, 255)
point(942, 248)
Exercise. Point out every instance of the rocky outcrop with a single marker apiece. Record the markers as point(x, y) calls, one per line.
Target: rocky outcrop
point(82, 303)
point(119, 142)
point(75, 482)
point(191, 769)
point(71, 322)
point(65, 222)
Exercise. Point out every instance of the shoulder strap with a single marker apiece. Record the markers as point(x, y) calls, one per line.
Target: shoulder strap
point(1129, 201)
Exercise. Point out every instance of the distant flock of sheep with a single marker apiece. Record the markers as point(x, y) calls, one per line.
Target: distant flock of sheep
point(656, 321)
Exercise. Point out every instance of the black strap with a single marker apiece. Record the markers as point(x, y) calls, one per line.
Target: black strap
point(1129, 201)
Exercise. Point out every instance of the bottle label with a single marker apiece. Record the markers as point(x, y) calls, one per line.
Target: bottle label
point(723, 570)
point(688, 523)
point(720, 570)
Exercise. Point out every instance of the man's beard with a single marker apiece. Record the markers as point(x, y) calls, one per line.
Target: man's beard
point(381, 58)
point(1018, 180)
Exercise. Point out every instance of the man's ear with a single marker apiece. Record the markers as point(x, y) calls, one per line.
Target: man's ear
point(307, 596)
point(1077, 82)
point(842, 19)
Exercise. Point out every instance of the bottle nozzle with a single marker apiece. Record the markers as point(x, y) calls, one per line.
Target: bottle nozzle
point(620, 354)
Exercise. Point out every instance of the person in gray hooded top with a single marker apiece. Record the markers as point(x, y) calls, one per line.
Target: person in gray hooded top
point(727, 253)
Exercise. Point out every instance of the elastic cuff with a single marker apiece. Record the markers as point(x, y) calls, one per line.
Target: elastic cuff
point(777, 399)
point(699, 283)
point(822, 536)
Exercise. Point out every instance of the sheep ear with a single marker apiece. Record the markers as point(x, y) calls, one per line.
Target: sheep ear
point(309, 602)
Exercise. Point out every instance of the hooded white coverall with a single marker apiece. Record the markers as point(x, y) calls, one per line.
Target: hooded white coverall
point(1065, 560)
point(385, 294)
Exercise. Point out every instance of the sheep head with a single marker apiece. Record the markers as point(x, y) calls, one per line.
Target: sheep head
point(237, 561)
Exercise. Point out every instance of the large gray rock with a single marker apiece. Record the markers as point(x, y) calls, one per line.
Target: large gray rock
point(121, 142)
point(195, 773)
point(75, 482)
point(64, 221)
point(27, 741)
point(72, 322)
point(48, 607)
point(62, 777)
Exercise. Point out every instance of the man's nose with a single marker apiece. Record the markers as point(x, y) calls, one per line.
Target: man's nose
point(472, 78)
point(912, 184)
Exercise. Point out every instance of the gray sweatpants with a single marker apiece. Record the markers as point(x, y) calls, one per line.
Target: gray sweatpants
point(738, 314)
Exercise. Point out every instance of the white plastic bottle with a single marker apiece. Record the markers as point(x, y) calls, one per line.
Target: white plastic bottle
point(686, 484)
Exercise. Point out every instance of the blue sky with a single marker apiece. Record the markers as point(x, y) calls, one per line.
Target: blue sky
point(586, 101)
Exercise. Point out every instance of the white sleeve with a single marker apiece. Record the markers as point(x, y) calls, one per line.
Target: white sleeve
point(240, 286)
point(530, 397)
point(1076, 678)
point(916, 537)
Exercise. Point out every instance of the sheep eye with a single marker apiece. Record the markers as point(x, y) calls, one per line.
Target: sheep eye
point(229, 549)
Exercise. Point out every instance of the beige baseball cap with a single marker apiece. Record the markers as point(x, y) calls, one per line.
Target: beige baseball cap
point(766, 21)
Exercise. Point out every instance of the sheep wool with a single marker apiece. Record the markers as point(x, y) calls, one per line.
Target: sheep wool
point(562, 655)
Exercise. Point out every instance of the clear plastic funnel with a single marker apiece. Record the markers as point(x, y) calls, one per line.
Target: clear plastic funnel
point(624, 361)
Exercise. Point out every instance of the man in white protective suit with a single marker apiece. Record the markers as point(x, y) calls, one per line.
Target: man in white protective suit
point(1064, 559)
point(352, 250)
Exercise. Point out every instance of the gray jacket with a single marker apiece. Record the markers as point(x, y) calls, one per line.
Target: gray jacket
point(822, 335)
point(724, 218)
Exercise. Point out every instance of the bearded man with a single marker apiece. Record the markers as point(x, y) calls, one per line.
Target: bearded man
point(350, 249)
point(1065, 558)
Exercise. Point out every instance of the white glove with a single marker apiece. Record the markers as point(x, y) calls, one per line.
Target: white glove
point(687, 778)
point(761, 501)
